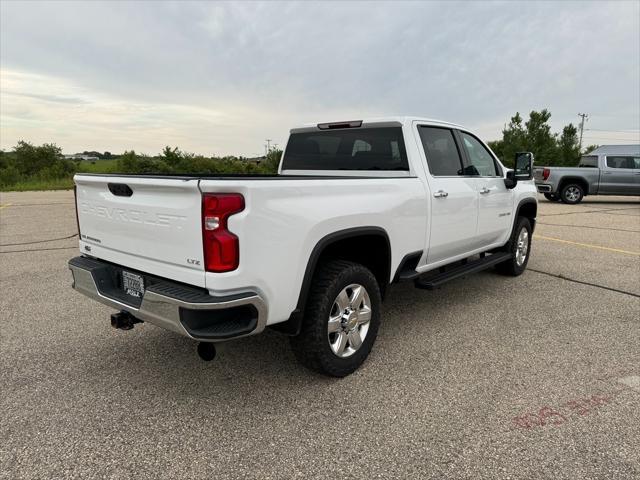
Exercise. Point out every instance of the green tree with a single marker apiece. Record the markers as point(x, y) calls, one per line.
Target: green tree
point(172, 156)
point(514, 139)
point(535, 136)
point(128, 162)
point(31, 159)
point(568, 146)
point(8, 168)
point(539, 138)
point(271, 162)
point(590, 149)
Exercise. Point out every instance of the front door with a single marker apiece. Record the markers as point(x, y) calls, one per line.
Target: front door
point(454, 202)
point(495, 200)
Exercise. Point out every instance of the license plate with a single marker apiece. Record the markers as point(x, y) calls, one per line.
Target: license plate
point(133, 284)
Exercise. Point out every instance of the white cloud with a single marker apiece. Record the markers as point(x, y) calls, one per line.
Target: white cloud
point(42, 109)
point(220, 77)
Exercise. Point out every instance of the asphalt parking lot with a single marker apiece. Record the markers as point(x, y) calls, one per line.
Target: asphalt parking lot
point(489, 377)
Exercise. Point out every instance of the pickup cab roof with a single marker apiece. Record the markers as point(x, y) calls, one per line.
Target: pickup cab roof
point(616, 150)
point(401, 120)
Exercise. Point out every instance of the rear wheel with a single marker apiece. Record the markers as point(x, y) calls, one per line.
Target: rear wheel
point(552, 197)
point(341, 320)
point(572, 193)
point(520, 248)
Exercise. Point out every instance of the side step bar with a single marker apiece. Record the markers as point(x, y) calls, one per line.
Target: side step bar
point(435, 281)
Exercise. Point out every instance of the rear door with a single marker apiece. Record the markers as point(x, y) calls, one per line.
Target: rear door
point(151, 224)
point(617, 175)
point(454, 206)
point(495, 200)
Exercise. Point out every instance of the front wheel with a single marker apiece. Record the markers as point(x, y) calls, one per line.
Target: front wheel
point(341, 319)
point(520, 248)
point(572, 194)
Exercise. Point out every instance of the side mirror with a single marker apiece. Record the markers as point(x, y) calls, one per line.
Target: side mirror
point(510, 180)
point(524, 166)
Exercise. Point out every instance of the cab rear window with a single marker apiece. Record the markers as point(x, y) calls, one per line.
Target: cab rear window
point(347, 149)
point(588, 162)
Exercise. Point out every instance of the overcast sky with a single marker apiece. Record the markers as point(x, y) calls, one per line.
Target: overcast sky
point(221, 77)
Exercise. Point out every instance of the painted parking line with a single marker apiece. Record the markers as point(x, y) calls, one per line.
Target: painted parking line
point(587, 245)
point(609, 229)
point(579, 212)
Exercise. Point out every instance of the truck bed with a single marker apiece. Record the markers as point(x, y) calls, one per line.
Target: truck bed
point(158, 229)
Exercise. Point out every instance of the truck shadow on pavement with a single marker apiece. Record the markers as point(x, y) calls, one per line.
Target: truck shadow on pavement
point(594, 201)
point(151, 361)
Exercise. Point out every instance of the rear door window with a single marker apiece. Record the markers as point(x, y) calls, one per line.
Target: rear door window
point(379, 148)
point(620, 162)
point(442, 153)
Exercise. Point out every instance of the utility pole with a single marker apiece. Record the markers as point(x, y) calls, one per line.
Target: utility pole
point(268, 146)
point(584, 117)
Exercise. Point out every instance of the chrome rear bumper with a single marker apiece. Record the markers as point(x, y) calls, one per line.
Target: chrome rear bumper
point(183, 309)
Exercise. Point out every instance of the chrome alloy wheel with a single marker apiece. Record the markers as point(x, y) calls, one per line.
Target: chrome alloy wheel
point(349, 320)
point(522, 248)
point(572, 194)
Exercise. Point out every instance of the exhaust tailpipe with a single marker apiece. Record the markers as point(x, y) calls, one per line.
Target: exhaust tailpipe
point(206, 351)
point(123, 320)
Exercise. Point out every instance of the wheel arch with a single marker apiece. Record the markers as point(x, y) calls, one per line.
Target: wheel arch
point(577, 180)
point(369, 246)
point(527, 208)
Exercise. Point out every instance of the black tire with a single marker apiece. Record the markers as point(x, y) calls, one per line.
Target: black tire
point(511, 266)
point(572, 194)
point(552, 197)
point(311, 347)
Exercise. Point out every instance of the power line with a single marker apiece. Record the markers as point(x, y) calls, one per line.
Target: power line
point(616, 131)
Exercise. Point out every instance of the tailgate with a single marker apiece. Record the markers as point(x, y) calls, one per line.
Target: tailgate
point(151, 224)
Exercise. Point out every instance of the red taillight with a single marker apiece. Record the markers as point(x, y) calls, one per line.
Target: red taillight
point(545, 173)
point(221, 247)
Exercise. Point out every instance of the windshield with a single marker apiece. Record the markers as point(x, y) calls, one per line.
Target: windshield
point(347, 149)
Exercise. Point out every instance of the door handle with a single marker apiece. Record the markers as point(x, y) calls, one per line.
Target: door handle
point(485, 190)
point(441, 194)
point(607, 173)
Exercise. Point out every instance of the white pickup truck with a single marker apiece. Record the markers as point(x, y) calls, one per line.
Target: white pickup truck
point(310, 252)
